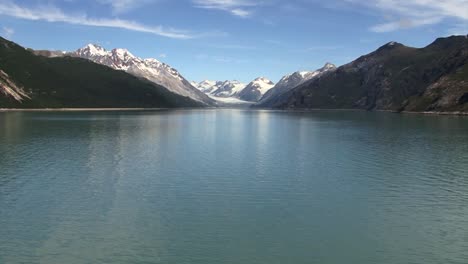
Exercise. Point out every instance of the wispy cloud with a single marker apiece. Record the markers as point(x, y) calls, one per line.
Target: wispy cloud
point(402, 14)
point(8, 32)
point(124, 6)
point(240, 8)
point(53, 14)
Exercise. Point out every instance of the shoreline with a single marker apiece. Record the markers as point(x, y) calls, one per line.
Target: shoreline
point(454, 113)
point(433, 113)
point(80, 109)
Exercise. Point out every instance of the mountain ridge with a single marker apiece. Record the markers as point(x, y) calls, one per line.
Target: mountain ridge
point(149, 68)
point(291, 81)
point(394, 78)
point(255, 89)
point(224, 89)
point(28, 80)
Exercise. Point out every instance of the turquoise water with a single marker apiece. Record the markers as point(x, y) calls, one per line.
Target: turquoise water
point(233, 186)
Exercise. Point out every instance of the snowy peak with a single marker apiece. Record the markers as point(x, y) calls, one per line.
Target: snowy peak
point(228, 88)
point(262, 84)
point(122, 54)
point(328, 66)
point(262, 81)
point(91, 50)
point(153, 62)
point(256, 89)
point(303, 74)
point(295, 79)
point(220, 88)
point(207, 83)
point(390, 46)
point(151, 69)
point(205, 86)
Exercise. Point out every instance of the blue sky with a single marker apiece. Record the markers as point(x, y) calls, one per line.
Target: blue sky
point(233, 39)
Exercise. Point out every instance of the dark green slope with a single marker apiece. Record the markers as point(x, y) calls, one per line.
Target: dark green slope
point(67, 82)
point(394, 77)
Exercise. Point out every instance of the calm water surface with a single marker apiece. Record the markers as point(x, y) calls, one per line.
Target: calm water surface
point(233, 186)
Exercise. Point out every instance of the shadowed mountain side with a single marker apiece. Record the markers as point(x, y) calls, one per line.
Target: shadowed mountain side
point(394, 77)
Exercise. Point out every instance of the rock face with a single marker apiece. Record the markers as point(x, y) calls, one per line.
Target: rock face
point(9, 88)
point(291, 81)
point(28, 80)
point(151, 69)
point(254, 91)
point(395, 78)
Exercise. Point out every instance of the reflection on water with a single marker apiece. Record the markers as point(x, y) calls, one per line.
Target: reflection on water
point(233, 186)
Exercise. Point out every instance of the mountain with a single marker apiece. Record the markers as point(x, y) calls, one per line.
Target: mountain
point(291, 81)
point(28, 80)
point(256, 89)
point(220, 88)
point(205, 86)
point(228, 88)
point(151, 69)
point(395, 78)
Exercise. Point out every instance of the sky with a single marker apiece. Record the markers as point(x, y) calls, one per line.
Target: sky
point(233, 39)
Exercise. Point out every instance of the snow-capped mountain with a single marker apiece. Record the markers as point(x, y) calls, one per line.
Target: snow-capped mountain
point(205, 86)
point(228, 88)
point(151, 69)
point(220, 88)
point(293, 80)
point(256, 89)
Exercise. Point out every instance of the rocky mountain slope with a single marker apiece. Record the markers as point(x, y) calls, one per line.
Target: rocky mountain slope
point(291, 81)
point(9, 88)
point(28, 80)
point(151, 69)
point(394, 78)
point(254, 91)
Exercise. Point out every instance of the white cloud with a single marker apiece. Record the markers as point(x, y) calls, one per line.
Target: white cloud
point(240, 8)
point(401, 14)
point(124, 6)
point(8, 32)
point(54, 14)
point(163, 55)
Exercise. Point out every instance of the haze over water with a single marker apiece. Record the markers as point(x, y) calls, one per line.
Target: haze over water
point(233, 186)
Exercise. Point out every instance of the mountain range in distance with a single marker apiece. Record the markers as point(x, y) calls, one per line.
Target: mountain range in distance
point(394, 78)
point(260, 88)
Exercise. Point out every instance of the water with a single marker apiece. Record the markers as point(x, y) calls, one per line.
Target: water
point(233, 186)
